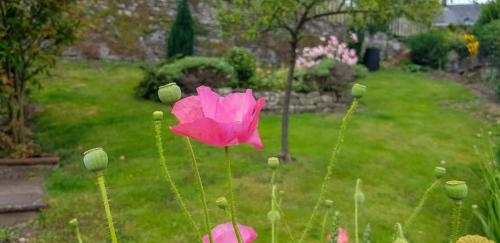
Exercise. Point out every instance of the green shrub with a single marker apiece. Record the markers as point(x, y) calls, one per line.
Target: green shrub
point(489, 41)
point(361, 71)
point(181, 37)
point(497, 91)
point(489, 12)
point(188, 73)
point(429, 48)
point(243, 63)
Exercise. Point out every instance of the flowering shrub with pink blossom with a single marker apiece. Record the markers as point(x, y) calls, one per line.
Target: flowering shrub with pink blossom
point(330, 47)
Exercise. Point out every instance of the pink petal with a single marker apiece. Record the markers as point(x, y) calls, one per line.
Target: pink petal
point(209, 131)
point(208, 100)
point(235, 106)
point(342, 237)
point(251, 136)
point(188, 109)
point(224, 233)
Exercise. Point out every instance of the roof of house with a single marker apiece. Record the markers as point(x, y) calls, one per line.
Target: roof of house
point(463, 14)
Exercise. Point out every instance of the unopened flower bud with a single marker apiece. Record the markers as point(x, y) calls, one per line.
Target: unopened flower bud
point(439, 172)
point(169, 93)
point(73, 222)
point(328, 203)
point(456, 190)
point(273, 163)
point(95, 159)
point(274, 216)
point(157, 115)
point(358, 90)
point(221, 202)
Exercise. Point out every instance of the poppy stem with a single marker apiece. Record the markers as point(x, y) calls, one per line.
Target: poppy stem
point(420, 205)
point(107, 210)
point(331, 164)
point(456, 221)
point(285, 223)
point(168, 177)
point(231, 197)
point(194, 165)
point(273, 207)
point(323, 225)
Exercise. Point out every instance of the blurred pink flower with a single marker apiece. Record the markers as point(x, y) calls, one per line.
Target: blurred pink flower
point(219, 121)
point(354, 37)
point(342, 237)
point(224, 233)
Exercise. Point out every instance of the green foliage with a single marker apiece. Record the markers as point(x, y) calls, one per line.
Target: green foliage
point(429, 48)
point(243, 63)
point(361, 71)
point(497, 91)
point(188, 73)
point(489, 212)
point(32, 33)
point(367, 234)
point(181, 36)
point(490, 11)
point(330, 76)
point(413, 68)
point(489, 41)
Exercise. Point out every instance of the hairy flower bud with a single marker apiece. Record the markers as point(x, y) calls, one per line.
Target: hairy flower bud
point(169, 93)
point(439, 172)
point(158, 115)
point(221, 202)
point(358, 90)
point(456, 190)
point(274, 216)
point(95, 159)
point(328, 203)
point(273, 163)
point(73, 222)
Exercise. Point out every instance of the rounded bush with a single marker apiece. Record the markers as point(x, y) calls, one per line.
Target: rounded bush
point(429, 48)
point(243, 63)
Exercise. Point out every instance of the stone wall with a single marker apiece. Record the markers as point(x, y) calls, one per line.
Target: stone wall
point(137, 29)
point(389, 47)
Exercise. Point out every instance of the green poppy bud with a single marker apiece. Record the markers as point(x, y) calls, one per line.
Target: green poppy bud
point(273, 163)
point(328, 203)
point(95, 159)
point(274, 216)
point(456, 190)
point(221, 202)
point(169, 93)
point(358, 90)
point(439, 172)
point(158, 115)
point(73, 222)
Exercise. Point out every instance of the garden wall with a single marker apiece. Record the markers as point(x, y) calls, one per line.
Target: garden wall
point(137, 29)
point(299, 102)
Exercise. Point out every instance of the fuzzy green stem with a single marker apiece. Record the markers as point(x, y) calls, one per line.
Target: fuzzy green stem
point(231, 197)
point(356, 229)
point(196, 172)
point(77, 233)
point(285, 223)
point(273, 206)
point(104, 195)
point(173, 187)
point(456, 221)
point(420, 205)
point(323, 225)
point(331, 164)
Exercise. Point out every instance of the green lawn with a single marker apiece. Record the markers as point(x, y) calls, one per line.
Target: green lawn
point(403, 128)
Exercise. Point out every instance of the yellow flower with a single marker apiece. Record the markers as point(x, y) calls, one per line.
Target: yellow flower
point(473, 239)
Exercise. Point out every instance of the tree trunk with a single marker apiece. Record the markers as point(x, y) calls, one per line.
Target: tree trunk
point(285, 152)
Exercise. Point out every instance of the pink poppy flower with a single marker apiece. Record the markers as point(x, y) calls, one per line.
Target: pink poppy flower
point(219, 121)
point(342, 237)
point(224, 233)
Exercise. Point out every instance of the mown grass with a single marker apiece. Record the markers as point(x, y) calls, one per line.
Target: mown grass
point(403, 128)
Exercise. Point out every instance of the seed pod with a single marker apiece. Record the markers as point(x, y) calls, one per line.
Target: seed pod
point(95, 159)
point(169, 93)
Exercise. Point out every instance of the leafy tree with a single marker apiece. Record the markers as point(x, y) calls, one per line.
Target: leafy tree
point(32, 33)
point(289, 17)
point(180, 40)
point(489, 12)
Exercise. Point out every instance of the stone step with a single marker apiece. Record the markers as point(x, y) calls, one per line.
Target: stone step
point(31, 161)
point(18, 195)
